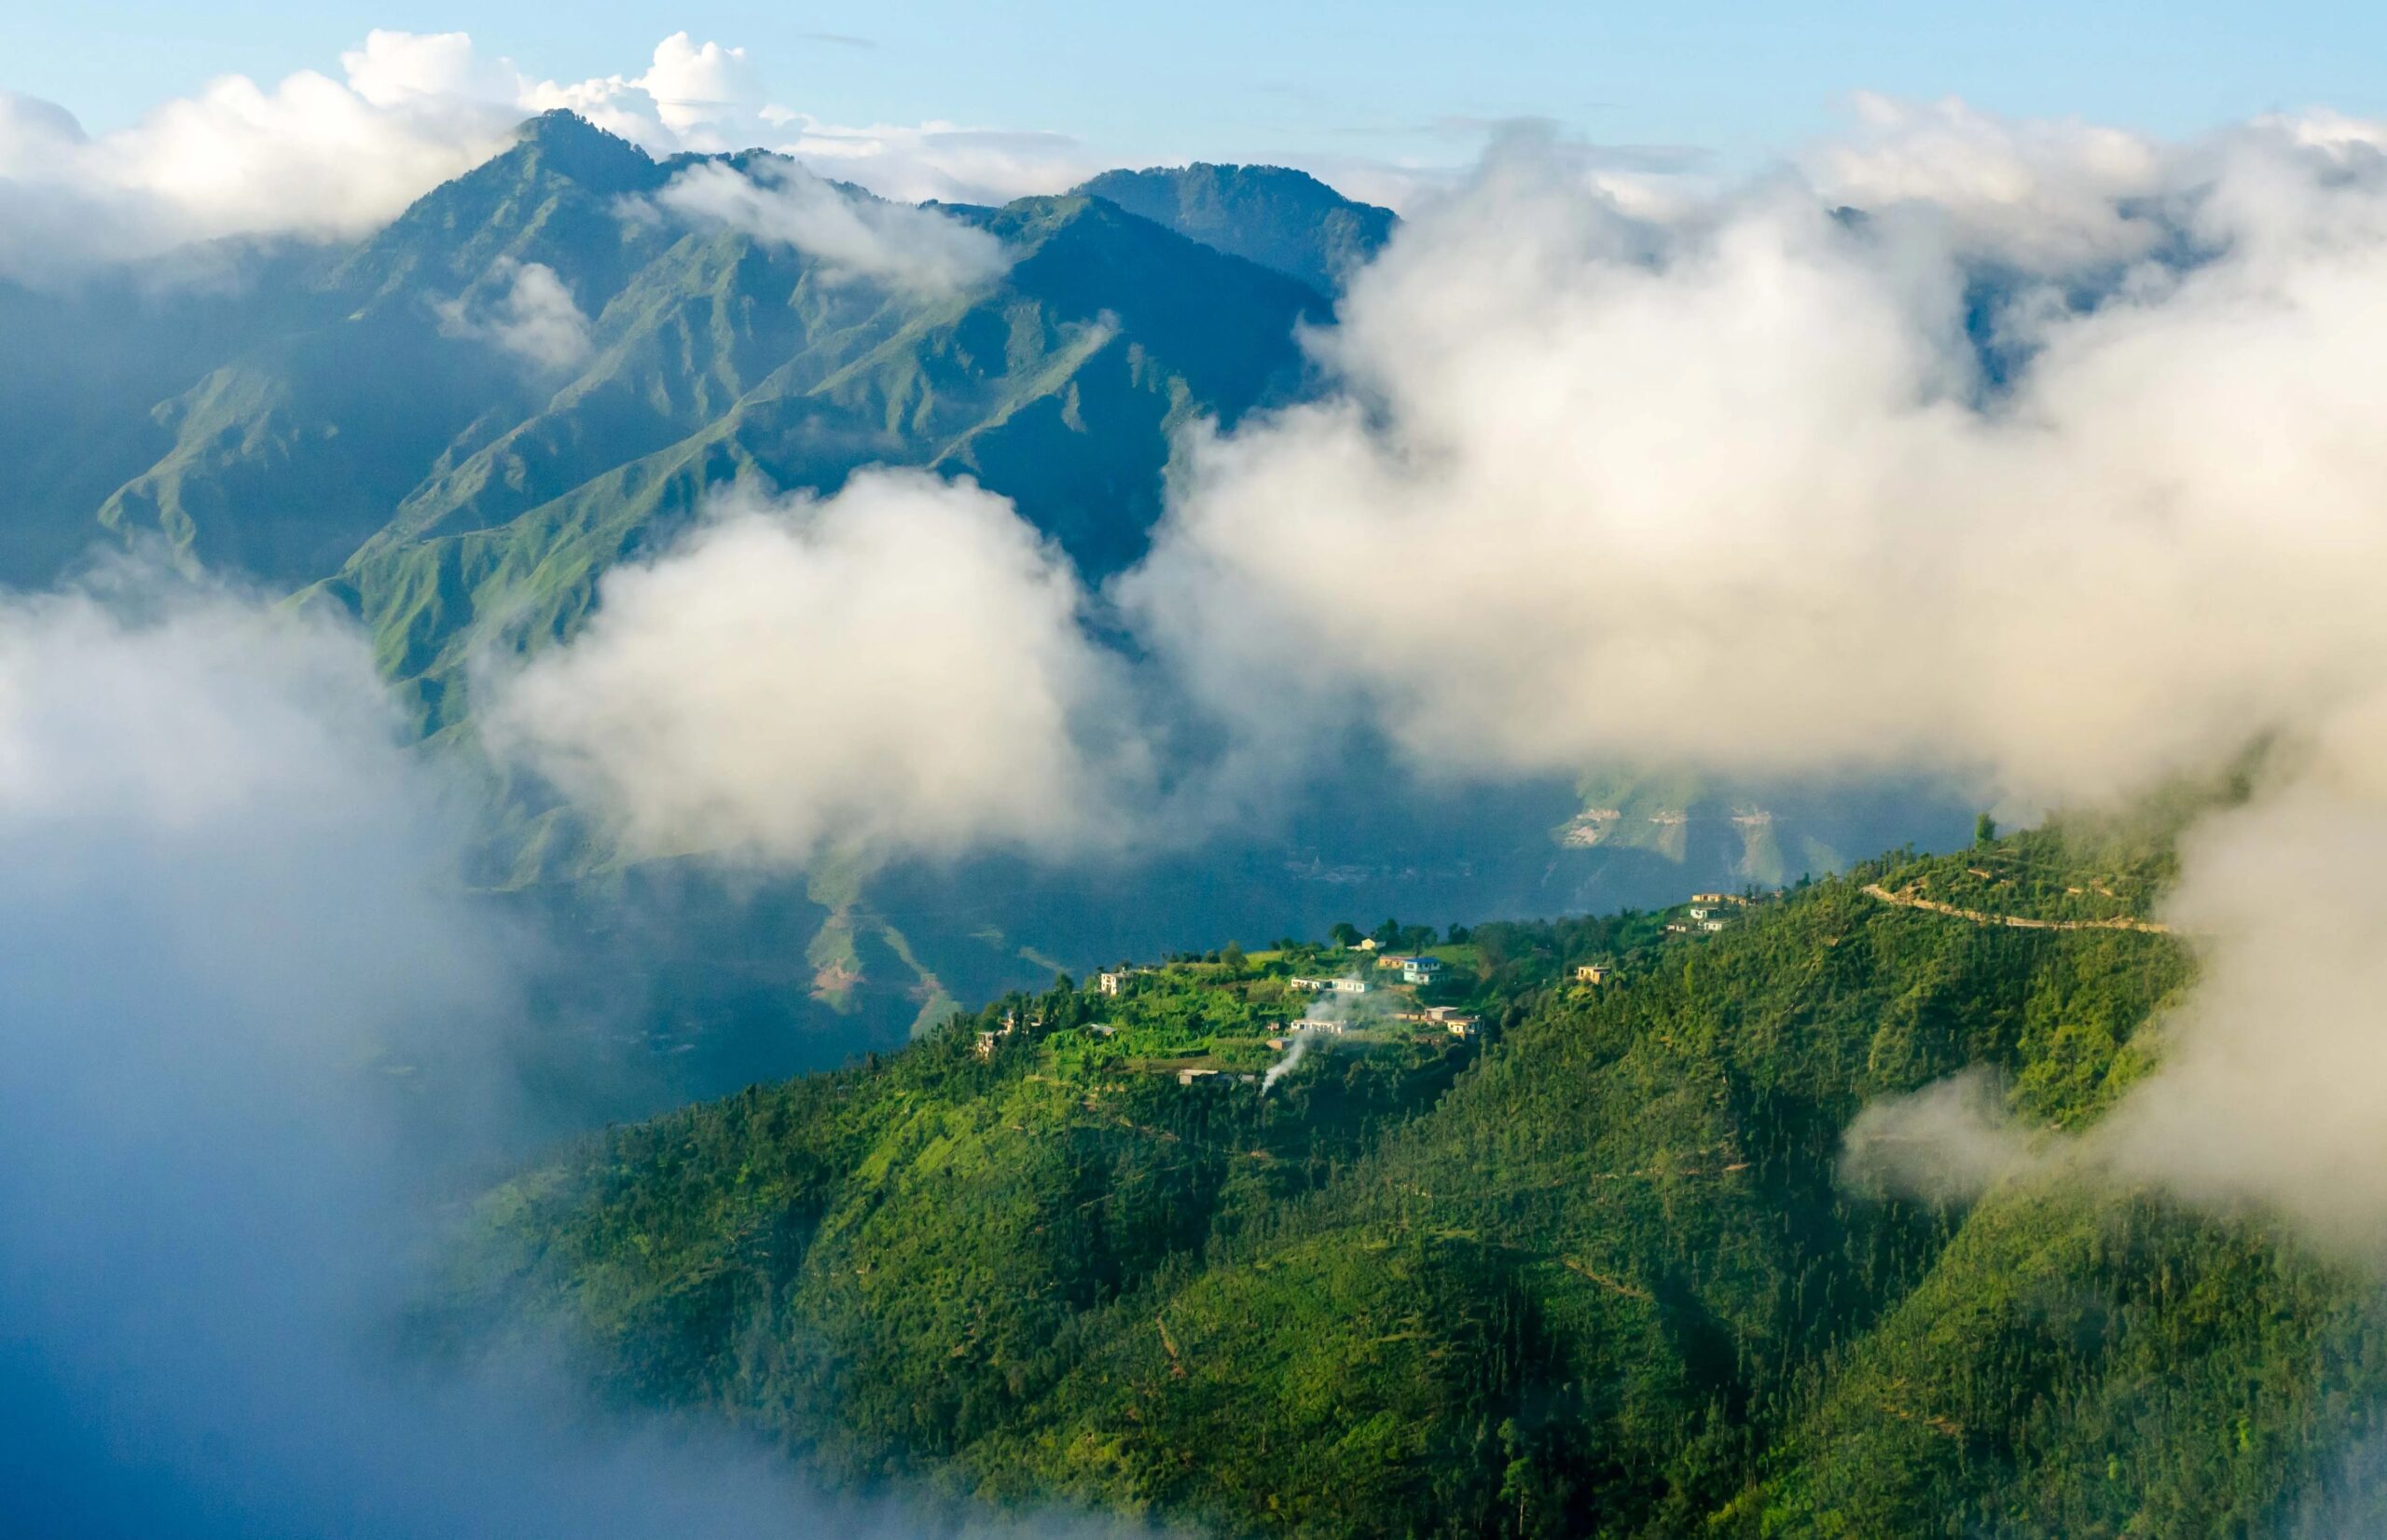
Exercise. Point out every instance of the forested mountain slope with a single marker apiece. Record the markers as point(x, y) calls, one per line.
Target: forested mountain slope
point(1590, 1272)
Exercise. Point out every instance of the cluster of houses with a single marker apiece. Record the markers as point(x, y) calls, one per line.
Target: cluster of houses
point(1707, 913)
point(1457, 1023)
point(1413, 969)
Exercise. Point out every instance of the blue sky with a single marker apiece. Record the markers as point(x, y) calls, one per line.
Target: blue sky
point(1240, 79)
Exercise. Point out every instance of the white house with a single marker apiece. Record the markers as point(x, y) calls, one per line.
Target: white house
point(1349, 986)
point(1111, 983)
point(1592, 973)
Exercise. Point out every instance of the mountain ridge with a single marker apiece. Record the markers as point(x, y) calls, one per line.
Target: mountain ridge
point(1282, 218)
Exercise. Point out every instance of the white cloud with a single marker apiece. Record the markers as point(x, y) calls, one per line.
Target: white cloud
point(947, 162)
point(2268, 1086)
point(896, 244)
point(312, 156)
point(692, 96)
point(2043, 195)
point(258, 1039)
point(1947, 1143)
point(324, 156)
point(1734, 485)
point(1731, 488)
point(533, 316)
point(899, 669)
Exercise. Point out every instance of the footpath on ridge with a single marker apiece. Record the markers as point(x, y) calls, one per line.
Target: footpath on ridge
point(1914, 900)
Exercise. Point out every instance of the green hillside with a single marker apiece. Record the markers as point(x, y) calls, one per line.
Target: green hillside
point(1589, 1272)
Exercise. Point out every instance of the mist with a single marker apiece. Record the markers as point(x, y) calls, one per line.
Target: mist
point(336, 153)
point(899, 669)
point(847, 232)
point(526, 309)
point(2039, 458)
point(259, 1054)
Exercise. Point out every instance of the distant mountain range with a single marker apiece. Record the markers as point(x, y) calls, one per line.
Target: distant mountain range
point(330, 420)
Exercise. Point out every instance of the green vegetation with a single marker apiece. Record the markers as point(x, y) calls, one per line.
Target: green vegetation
point(1591, 1274)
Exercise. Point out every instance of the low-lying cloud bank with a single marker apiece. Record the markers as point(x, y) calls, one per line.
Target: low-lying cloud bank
point(323, 155)
point(1765, 481)
point(899, 669)
point(247, 1016)
point(256, 1040)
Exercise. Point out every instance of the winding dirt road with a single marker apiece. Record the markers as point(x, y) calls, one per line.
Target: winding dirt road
point(1911, 901)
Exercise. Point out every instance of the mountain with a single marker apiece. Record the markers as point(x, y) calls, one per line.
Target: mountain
point(1593, 1271)
point(355, 436)
point(348, 423)
point(310, 414)
point(1283, 219)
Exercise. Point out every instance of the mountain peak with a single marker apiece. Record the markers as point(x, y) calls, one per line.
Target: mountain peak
point(566, 142)
point(1274, 215)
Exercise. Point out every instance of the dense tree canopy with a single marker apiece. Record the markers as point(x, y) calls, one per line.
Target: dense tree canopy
point(1588, 1272)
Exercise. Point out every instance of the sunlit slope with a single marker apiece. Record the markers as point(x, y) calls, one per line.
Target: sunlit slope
point(1597, 1276)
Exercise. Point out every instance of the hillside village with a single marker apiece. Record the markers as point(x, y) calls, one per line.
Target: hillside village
point(1408, 995)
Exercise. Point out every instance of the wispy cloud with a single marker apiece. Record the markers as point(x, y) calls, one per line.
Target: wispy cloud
point(848, 232)
point(530, 313)
point(332, 155)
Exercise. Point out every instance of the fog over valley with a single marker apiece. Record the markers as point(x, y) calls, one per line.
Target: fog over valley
point(715, 822)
